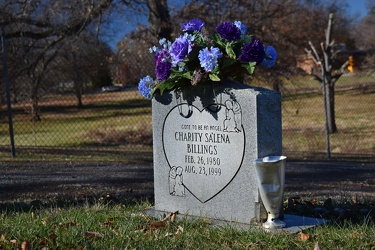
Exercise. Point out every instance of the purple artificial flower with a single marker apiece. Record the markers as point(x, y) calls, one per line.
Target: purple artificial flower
point(253, 52)
point(160, 55)
point(144, 86)
point(162, 65)
point(163, 70)
point(193, 25)
point(229, 31)
point(270, 59)
point(208, 58)
point(180, 49)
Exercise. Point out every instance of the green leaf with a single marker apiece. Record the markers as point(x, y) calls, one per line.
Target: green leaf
point(248, 38)
point(165, 85)
point(230, 51)
point(227, 62)
point(250, 67)
point(217, 40)
point(214, 77)
point(199, 39)
point(183, 63)
point(186, 75)
point(216, 70)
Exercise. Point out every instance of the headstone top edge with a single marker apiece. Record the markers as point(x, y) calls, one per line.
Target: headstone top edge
point(196, 92)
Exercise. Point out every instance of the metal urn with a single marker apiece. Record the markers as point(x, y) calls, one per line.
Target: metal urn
point(271, 180)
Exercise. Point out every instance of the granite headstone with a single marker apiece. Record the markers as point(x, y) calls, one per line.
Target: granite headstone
point(205, 141)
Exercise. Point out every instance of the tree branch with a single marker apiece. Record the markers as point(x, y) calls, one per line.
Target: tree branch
point(329, 29)
point(340, 71)
point(47, 29)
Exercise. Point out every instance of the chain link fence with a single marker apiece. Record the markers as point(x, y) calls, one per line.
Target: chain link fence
point(304, 133)
point(70, 119)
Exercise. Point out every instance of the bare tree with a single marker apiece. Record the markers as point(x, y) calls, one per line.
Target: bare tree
point(36, 31)
point(284, 24)
point(133, 59)
point(159, 20)
point(329, 75)
point(80, 60)
point(364, 34)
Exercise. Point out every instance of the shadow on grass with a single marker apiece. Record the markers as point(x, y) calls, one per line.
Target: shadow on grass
point(108, 200)
point(339, 213)
point(91, 152)
point(102, 106)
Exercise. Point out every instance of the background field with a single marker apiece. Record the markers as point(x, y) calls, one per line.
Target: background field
point(116, 126)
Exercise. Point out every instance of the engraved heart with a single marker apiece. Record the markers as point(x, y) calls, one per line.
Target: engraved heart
point(204, 148)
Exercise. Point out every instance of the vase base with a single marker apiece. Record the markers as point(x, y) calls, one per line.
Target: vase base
point(274, 224)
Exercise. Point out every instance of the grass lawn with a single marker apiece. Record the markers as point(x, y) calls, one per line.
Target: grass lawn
point(304, 120)
point(100, 225)
point(109, 123)
point(117, 126)
point(304, 131)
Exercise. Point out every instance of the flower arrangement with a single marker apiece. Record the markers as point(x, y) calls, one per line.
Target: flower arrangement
point(195, 57)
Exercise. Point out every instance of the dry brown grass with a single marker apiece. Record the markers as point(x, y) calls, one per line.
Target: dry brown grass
point(124, 119)
point(304, 123)
point(120, 136)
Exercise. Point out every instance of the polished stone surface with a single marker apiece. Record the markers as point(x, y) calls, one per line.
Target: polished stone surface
point(204, 146)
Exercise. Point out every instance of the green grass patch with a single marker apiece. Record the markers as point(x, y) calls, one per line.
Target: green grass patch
point(110, 127)
point(102, 225)
point(307, 83)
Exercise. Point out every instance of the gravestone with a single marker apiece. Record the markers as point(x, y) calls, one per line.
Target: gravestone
point(205, 142)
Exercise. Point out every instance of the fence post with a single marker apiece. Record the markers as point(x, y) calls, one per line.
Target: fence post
point(7, 90)
point(324, 83)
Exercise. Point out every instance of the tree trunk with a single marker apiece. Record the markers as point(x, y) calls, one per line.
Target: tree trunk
point(159, 20)
point(34, 107)
point(327, 48)
point(78, 87)
point(330, 104)
point(276, 85)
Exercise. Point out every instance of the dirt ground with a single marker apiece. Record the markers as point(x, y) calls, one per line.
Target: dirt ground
point(53, 181)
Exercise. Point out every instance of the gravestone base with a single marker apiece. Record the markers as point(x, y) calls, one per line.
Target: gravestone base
point(294, 223)
point(205, 142)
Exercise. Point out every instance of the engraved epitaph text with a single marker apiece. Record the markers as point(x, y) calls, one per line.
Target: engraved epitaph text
point(204, 148)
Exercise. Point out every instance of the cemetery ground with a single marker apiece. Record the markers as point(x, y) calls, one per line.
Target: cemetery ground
point(98, 205)
point(87, 191)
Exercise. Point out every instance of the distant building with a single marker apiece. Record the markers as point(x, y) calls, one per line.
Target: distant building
point(306, 63)
point(355, 58)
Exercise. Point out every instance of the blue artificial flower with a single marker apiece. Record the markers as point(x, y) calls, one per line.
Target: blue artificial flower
point(144, 86)
point(241, 26)
point(208, 58)
point(270, 59)
point(195, 55)
point(153, 49)
point(193, 25)
point(229, 31)
point(253, 52)
point(180, 49)
point(165, 44)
